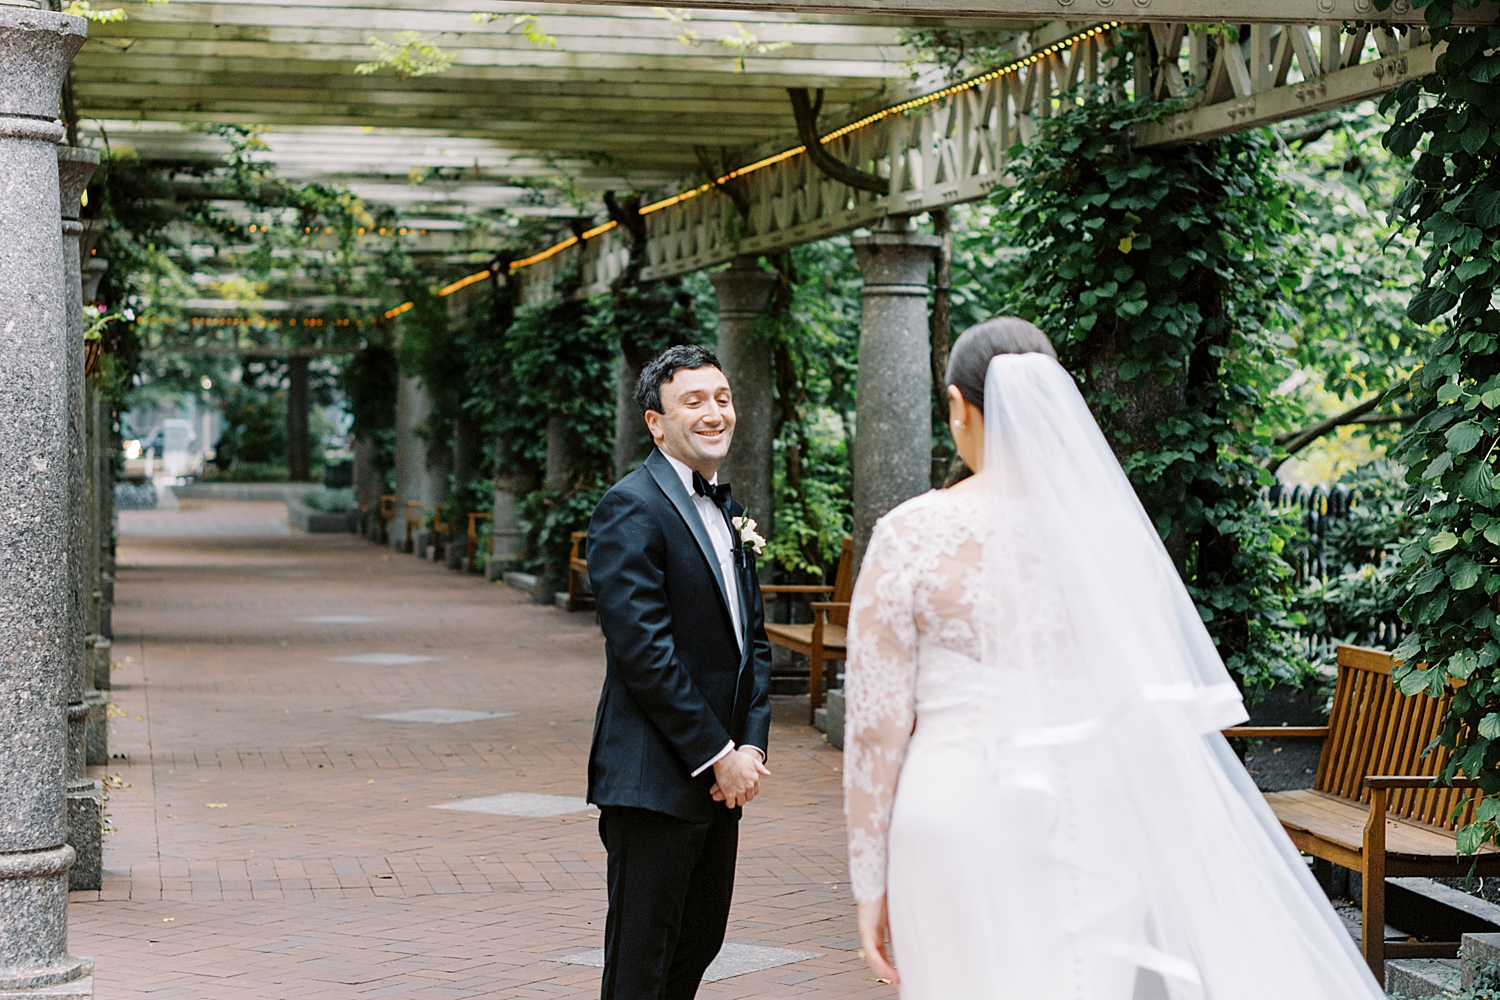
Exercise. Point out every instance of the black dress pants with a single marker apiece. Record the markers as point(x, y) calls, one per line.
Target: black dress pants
point(670, 885)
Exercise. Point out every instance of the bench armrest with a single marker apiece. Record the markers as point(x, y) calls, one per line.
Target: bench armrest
point(1392, 781)
point(829, 605)
point(790, 588)
point(1274, 732)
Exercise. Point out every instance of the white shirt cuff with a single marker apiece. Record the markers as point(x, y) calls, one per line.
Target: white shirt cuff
point(715, 759)
point(758, 750)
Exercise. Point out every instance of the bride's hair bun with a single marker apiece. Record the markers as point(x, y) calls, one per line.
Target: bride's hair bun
point(969, 361)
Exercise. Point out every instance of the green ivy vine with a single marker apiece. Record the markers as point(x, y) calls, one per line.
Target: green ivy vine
point(1450, 571)
point(1157, 274)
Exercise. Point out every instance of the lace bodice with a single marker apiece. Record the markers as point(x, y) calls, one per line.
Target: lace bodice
point(933, 636)
point(914, 584)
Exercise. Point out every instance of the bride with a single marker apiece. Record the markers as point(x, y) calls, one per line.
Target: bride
point(1040, 804)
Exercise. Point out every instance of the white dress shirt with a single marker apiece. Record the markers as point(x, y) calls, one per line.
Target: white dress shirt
point(717, 527)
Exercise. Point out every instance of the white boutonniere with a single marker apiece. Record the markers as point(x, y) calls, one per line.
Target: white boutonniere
point(749, 537)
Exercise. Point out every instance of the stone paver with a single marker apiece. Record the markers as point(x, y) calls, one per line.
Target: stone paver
point(272, 840)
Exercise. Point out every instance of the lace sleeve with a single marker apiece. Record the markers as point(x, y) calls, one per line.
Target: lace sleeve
point(879, 706)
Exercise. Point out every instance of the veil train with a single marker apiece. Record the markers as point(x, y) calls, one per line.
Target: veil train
point(1191, 877)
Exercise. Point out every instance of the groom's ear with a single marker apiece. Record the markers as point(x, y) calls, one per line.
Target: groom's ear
point(653, 424)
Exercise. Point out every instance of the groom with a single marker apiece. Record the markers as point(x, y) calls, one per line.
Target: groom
point(680, 734)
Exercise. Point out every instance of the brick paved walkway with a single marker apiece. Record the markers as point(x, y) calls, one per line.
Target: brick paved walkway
point(272, 841)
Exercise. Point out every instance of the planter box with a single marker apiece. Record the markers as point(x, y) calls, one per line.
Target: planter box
point(243, 491)
point(833, 718)
point(521, 581)
point(320, 522)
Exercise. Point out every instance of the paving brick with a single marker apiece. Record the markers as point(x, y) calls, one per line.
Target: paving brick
point(320, 870)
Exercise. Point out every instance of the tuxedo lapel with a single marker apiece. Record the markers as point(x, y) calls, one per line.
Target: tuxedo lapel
point(666, 478)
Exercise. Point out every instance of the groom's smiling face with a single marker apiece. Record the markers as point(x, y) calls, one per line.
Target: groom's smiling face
point(697, 419)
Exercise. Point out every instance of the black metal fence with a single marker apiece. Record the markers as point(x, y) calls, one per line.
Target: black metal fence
point(1320, 509)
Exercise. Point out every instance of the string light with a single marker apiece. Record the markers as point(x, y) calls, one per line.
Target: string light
point(786, 154)
point(464, 282)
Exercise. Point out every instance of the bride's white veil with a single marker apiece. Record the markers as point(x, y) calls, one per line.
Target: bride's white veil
point(1190, 876)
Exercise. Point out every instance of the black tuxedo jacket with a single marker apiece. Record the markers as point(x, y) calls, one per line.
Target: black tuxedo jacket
point(677, 687)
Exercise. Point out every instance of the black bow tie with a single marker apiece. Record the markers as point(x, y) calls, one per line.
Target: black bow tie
point(718, 494)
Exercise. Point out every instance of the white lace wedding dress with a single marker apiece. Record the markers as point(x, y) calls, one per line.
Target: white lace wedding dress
point(1033, 772)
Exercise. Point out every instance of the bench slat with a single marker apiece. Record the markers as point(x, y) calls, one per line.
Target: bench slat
point(1341, 822)
point(798, 638)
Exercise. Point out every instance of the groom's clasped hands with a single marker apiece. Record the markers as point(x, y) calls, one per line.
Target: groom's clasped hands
point(737, 777)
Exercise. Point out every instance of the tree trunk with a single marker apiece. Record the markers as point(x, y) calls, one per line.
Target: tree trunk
point(1144, 404)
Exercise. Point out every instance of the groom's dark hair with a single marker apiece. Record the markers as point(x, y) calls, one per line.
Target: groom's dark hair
point(660, 369)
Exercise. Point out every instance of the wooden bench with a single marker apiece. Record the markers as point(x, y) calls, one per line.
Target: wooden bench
point(413, 525)
point(473, 537)
point(437, 545)
point(578, 571)
point(1372, 808)
point(824, 639)
point(387, 515)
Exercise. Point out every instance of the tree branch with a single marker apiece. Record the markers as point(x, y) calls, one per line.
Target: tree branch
point(806, 114)
point(734, 188)
point(627, 215)
point(1295, 441)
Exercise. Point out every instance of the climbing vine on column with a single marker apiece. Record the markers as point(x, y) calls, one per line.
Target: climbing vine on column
point(1451, 570)
point(1156, 273)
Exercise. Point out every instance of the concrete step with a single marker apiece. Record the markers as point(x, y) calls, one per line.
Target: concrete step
point(1479, 959)
point(1412, 978)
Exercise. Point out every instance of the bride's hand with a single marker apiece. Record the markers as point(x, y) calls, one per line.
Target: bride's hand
point(874, 939)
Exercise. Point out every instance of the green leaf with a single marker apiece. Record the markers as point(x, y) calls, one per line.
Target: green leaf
point(1489, 726)
point(1464, 574)
point(1431, 302)
point(1438, 466)
point(1487, 207)
point(1477, 483)
point(1474, 137)
point(1441, 542)
point(1463, 664)
point(1470, 838)
point(1485, 70)
point(1413, 683)
point(1462, 438)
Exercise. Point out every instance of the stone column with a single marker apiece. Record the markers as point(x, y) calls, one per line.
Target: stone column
point(298, 447)
point(412, 408)
point(100, 564)
point(632, 443)
point(36, 47)
point(437, 466)
point(85, 796)
point(505, 540)
point(93, 273)
point(893, 431)
point(743, 291)
point(562, 456)
point(366, 489)
point(562, 453)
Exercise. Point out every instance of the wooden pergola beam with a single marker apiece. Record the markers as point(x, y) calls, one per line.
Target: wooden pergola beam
point(1178, 11)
